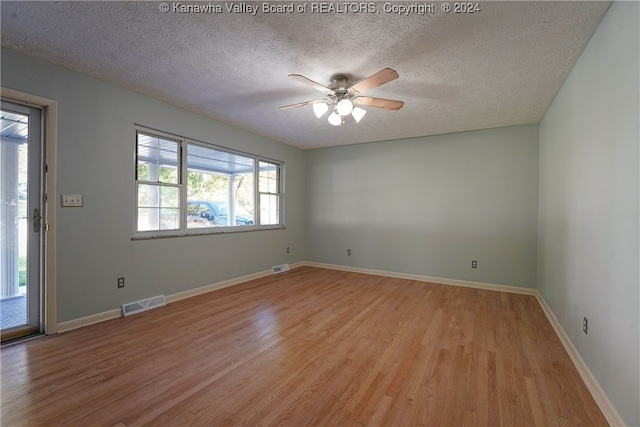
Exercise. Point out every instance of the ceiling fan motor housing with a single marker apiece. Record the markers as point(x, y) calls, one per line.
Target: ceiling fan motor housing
point(340, 81)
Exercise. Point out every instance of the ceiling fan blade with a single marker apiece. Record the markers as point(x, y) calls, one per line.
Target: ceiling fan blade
point(388, 104)
point(308, 82)
point(378, 79)
point(300, 104)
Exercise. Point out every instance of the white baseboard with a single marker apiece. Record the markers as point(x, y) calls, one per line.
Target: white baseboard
point(590, 381)
point(224, 284)
point(88, 320)
point(592, 384)
point(420, 278)
point(115, 313)
point(215, 286)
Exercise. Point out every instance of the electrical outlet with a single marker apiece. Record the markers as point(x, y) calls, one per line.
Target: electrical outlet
point(121, 282)
point(474, 264)
point(348, 252)
point(585, 324)
point(288, 250)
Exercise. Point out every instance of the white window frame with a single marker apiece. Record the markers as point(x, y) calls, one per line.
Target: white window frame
point(183, 229)
point(259, 193)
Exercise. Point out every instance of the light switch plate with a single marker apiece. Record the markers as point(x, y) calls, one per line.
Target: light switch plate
point(72, 200)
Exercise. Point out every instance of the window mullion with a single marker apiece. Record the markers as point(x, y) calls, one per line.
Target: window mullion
point(256, 192)
point(182, 160)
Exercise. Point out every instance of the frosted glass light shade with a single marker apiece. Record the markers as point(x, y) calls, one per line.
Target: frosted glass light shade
point(358, 113)
point(335, 119)
point(344, 107)
point(319, 108)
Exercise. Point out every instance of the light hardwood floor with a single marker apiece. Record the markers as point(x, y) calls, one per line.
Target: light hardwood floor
point(306, 347)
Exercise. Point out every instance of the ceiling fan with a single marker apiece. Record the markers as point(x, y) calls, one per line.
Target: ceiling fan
point(344, 99)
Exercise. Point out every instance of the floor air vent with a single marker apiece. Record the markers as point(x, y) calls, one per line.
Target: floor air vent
point(280, 268)
point(143, 305)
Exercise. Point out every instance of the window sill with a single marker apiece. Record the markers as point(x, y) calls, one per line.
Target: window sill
point(205, 232)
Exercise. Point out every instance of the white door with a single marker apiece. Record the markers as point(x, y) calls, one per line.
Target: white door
point(20, 220)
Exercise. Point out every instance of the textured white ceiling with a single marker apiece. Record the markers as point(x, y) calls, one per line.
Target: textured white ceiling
point(497, 67)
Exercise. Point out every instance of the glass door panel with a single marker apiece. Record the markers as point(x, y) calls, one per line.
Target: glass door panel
point(20, 220)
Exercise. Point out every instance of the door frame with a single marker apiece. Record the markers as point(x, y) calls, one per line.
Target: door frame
point(49, 109)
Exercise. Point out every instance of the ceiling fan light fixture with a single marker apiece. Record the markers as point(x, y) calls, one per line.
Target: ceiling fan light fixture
point(344, 107)
point(358, 113)
point(335, 119)
point(319, 108)
point(342, 97)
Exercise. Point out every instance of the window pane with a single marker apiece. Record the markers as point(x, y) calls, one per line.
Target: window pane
point(170, 197)
point(158, 207)
point(264, 184)
point(207, 186)
point(143, 171)
point(268, 177)
point(157, 159)
point(153, 195)
point(153, 219)
point(273, 185)
point(269, 209)
point(218, 180)
point(203, 214)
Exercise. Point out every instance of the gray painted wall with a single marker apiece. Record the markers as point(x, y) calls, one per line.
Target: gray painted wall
point(425, 206)
point(96, 158)
point(589, 189)
point(429, 206)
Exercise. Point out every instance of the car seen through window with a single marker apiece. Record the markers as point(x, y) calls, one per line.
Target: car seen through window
point(202, 214)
